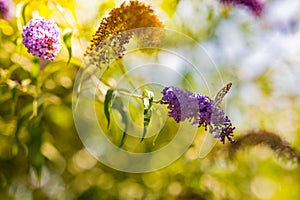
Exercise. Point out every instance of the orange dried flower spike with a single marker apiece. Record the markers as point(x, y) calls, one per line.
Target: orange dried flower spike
point(129, 16)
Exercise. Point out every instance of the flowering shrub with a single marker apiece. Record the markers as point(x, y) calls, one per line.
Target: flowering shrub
point(41, 154)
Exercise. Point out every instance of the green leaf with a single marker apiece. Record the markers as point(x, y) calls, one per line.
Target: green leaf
point(35, 67)
point(170, 6)
point(19, 125)
point(24, 11)
point(147, 101)
point(118, 105)
point(159, 112)
point(67, 38)
point(14, 98)
point(108, 104)
point(123, 139)
point(36, 131)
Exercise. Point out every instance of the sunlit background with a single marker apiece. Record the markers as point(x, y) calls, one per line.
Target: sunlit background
point(44, 158)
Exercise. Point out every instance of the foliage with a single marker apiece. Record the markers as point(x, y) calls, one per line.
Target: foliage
point(42, 156)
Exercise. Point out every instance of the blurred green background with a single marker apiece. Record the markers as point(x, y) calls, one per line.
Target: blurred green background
point(42, 156)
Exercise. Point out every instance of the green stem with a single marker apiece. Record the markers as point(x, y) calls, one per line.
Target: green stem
point(124, 72)
point(103, 88)
point(122, 92)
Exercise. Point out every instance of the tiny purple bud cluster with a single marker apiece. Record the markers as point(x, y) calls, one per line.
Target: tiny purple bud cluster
point(186, 105)
point(221, 125)
point(41, 37)
point(256, 6)
point(7, 9)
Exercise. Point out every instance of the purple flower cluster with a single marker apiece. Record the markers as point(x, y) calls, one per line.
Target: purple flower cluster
point(41, 37)
point(7, 9)
point(221, 125)
point(201, 109)
point(256, 6)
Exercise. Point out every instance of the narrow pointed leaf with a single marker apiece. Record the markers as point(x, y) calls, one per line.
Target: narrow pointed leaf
point(159, 113)
point(24, 12)
point(147, 101)
point(14, 95)
point(123, 139)
point(36, 132)
point(107, 105)
point(118, 105)
point(67, 38)
point(35, 67)
point(170, 6)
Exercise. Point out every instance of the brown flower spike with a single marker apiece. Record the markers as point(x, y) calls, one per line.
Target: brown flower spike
point(124, 18)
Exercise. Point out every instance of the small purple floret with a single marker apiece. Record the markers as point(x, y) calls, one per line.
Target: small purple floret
point(255, 6)
point(7, 9)
point(41, 37)
point(198, 109)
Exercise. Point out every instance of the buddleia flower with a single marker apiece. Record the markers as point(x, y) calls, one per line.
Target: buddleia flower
point(7, 9)
point(114, 31)
point(41, 37)
point(199, 109)
point(255, 6)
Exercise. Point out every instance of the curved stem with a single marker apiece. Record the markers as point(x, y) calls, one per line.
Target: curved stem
point(102, 87)
point(124, 72)
point(122, 92)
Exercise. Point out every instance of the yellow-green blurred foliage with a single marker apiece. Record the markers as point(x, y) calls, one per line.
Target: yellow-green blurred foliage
point(42, 157)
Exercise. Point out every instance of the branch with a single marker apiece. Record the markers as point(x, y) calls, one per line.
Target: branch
point(260, 137)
